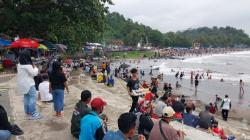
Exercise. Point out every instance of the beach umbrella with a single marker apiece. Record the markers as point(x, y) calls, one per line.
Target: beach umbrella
point(42, 47)
point(48, 44)
point(24, 43)
point(4, 42)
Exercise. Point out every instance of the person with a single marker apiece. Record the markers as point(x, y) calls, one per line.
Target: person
point(196, 83)
point(241, 88)
point(169, 88)
point(190, 119)
point(179, 109)
point(43, 88)
point(212, 109)
point(177, 85)
point(81, 109)
point(58, 83)
point(103, 67)
point(144, 123)
point(162, 130)
point(92, 126)
point(5, 126)
point(177, 74)
point(217, 131)
point(126, 126)
point(165, 88)
point(154, 86)
point(160, 104)
point(217, 101)
point(206, 118)
point(26, 72)
point(183, 100)
point(226, 106)
point(133, 84)
point(145, 84)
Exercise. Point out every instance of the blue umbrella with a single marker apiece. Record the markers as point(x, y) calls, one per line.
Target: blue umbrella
point(4, 42)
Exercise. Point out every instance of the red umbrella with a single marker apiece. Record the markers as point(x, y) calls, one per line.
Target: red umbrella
point(24, 43)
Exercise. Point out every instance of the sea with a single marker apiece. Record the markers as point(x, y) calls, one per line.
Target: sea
point(231, 67)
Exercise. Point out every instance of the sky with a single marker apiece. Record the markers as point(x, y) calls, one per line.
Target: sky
point(178, 15)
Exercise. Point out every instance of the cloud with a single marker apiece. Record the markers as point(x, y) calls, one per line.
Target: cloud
point(174, 15)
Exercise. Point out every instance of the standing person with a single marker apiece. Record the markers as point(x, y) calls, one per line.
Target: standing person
point(92, 126)
point(26, 72)
point(196, 84)
point(226, 106)
point(212, 109)
point(81, 109)
point(126, 126)
point(154, 86)
point(58, 83)
point(133, 84)
point(241, 88)
point(162, 130)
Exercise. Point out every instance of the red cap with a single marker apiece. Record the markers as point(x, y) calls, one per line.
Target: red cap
point(97, 103)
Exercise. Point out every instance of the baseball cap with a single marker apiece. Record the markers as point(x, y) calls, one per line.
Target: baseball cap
point(97, 103)
point(168, 112)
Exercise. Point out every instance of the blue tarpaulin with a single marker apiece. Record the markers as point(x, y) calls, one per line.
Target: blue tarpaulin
point(4, 42)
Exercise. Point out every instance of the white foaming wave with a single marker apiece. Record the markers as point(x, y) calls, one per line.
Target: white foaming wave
point(215, 75)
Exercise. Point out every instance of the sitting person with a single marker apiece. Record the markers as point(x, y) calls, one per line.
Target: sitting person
point(179, 109)
point(145, 84)
point(206, 118)
point(81, 109)
point(217, 131)
point(92, 126)
point(190, 119)
point(212, 108)
point(126, 126)
point(5, 126)
point(45, 96)
point(160, 104)
point(162, 130)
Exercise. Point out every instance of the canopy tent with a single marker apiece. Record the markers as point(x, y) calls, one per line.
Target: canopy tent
point(4, 42)
point(42, 47)
point(48, 44)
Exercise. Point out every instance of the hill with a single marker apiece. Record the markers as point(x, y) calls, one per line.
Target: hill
point(131, 33)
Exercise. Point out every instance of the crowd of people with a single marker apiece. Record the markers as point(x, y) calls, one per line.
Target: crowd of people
point(149, 117)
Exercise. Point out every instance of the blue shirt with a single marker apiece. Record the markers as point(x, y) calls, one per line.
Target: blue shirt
point(89, 124)
point(118, 135)
point(190, 120)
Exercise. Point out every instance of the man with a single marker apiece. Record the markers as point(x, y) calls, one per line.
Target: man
point(160, 104)
point(162, 130)
point(226, 106)
point(133, 84)
point(206, 118)
point(81, 109)
point(92, 127)
point(190, 119)
point(44, 89)
point(241, 88)
point(126, 126)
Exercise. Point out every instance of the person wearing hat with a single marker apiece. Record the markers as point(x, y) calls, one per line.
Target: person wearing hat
point(92, 126)
point(81, 109)
point(162, 130)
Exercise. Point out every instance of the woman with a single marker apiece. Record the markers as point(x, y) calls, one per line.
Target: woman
point(58, 83)
point(26, 72)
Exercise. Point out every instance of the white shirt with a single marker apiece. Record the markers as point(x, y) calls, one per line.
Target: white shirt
point(25, 77)
point(44, 91)
point(226, 105)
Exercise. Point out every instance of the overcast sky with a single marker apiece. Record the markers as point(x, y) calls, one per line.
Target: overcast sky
point(173, 15)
